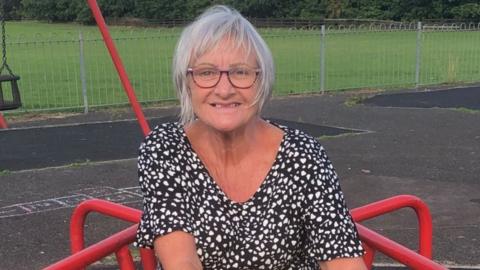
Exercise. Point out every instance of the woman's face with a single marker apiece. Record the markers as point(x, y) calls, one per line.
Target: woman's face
point(224, 107)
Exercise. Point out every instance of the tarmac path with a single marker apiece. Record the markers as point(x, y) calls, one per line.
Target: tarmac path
point(431, 153)
point(461, 98)
point(52, 146)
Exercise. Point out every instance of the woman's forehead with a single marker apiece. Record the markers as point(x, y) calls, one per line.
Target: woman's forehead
point(224, 45)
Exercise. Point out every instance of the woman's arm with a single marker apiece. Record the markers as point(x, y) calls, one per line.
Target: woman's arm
point(344, 264)
point(177, 251)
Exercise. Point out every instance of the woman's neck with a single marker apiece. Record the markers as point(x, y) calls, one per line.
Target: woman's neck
point(226, 146)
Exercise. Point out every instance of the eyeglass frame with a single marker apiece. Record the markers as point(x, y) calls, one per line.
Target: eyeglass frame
point(226, 71)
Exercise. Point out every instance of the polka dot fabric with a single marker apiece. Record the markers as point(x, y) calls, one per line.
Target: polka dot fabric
point(296, 218)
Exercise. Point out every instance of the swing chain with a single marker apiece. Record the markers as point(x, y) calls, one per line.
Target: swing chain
point(4, 44)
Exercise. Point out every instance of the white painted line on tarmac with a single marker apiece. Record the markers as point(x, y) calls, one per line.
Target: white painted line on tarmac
point(117, 195)
point(80, 123)
point(80, 164)
point(74, 124)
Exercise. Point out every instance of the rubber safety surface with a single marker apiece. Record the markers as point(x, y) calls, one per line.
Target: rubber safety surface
point(468, 98)
point(42, 147)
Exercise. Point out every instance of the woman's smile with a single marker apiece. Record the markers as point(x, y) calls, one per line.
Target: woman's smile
point(225, 105)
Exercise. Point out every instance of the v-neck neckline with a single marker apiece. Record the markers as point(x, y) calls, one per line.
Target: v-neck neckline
point(262, 188)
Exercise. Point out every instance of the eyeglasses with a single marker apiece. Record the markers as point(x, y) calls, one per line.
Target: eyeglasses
point(240, 77)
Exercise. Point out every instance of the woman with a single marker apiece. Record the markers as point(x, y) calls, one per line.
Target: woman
point(225, 189)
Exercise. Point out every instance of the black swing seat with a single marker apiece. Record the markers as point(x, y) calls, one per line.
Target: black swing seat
point(15, 102)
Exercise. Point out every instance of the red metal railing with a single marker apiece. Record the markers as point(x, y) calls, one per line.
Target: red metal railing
point(113, 244)
point(107, 208)
point(394, 250)
point(376, 242)
point(373, 242)
point(117, 243)
point(424, 218)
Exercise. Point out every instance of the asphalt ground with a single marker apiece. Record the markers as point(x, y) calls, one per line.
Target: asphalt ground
point(54, 146)
point(465, 97)
point(431, 153)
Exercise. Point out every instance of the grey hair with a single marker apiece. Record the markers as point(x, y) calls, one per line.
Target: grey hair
point(202, 35)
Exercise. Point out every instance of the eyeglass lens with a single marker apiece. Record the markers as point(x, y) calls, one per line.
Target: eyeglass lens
point(240, 77)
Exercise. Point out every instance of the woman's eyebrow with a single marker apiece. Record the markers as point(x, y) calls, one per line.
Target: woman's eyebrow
point(239, 64)
point(205, 64)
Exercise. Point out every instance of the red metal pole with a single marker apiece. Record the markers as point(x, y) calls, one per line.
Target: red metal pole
point(369, 256)
point(97, 14)
point(124, 259)
point(3, 123)
point(149, 261)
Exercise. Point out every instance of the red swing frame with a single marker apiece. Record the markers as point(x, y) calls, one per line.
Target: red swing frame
point(3, 122)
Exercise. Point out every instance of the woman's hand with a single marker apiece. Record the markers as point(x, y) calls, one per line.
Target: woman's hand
point(343, 264)
point(177, 251)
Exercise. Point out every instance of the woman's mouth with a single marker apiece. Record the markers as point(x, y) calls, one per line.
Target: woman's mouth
point(225, 105)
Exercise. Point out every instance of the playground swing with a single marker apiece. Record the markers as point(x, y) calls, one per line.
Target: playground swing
point(5, 102)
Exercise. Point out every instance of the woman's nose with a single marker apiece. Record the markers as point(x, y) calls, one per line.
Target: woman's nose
point(224, 86)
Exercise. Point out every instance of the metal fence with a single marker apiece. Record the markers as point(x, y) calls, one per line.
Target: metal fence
point(73, 70)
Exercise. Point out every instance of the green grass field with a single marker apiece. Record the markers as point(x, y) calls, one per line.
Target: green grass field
point(46, 56)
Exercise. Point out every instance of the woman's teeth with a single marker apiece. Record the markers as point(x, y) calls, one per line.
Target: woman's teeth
point(231, 105)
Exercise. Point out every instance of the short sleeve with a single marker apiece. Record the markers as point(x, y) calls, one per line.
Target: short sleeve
point(164, 203)
point(331, 232)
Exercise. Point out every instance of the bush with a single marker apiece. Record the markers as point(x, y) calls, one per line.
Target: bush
point(74, 10)
point(467, 12)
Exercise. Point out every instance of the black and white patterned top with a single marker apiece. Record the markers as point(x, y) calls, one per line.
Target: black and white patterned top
point(296, 218)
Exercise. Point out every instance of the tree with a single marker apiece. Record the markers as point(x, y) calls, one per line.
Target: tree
point(314, 9)
point(467, 12)
point(334, 8)
point(11, 9)
point(398, 10)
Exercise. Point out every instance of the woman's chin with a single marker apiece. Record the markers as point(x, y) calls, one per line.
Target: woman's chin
point(228, 125)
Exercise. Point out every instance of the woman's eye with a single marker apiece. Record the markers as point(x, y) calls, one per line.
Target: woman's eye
point(241, 72)
point(205, 72)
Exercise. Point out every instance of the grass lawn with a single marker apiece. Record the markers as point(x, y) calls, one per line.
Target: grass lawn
point(46, 56)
